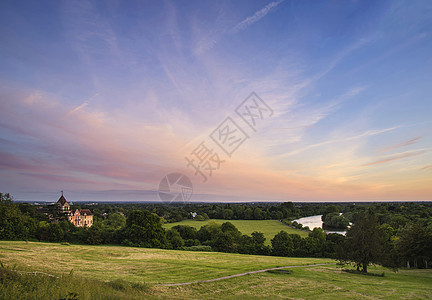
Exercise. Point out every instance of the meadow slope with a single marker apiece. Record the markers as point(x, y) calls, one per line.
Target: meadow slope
point(101, 271)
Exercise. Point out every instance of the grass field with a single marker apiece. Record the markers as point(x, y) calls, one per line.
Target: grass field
point(269, 227)
point(137, 264)
point(99, 271)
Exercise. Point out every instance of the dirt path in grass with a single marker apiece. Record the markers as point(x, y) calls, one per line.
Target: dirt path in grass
point(241, 274)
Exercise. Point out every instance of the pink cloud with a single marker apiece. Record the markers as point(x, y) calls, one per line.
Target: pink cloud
point(96, 150)
point(428, 167)
point(394, 157)
point(402, 144)
point(88, 142)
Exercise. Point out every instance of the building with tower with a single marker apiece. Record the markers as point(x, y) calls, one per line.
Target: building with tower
point(79, 217)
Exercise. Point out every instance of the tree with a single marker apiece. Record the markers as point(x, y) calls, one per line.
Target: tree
point(258, 214)
point(315, 242)
point(208, 232)
point(14, 225)
point(333, 241)
point(328, 210)
point(282, 245)
point(115, 221)
point(56, 233)
point(390, 257)
point(258, 246)
point(254, 244)
point(199, 218)
point(174, 239)
point(299, 245)
point(245, 245)
point(227, 214)
point(248, 214)
point(227, 240)
point(224, 242)
point(288, 209)
point(186, 232)
point(230, 228)
point(364, 242)
point(415, 245)
point(94, 234)
point(334, 220)
point(144, 229)
point(398, 221)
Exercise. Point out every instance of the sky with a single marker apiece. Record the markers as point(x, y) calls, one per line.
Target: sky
point(103, 99)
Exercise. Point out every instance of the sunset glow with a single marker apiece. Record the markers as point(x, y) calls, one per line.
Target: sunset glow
point(102, 99)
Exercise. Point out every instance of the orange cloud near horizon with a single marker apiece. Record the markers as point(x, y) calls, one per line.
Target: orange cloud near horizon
point(93, 150)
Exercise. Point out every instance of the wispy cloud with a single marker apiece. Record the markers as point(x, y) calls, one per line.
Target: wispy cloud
point(427, 168)
point(206, 44)
point(212, 38)
point(350, 138)
point(402, 144)
point(77, 108)
point(340, 56)
point(86, 145)
point(86, 28)
point(256, 17)
point(81, 106)
point(395, 157)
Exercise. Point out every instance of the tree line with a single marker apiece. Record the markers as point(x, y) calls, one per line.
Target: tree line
point(393, 235)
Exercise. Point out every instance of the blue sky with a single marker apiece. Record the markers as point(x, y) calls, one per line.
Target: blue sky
point(100, 96)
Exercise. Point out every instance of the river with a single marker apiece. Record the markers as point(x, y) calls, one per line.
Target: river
point(315, 221)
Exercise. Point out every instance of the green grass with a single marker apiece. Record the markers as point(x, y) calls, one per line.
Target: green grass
point(268, 227)
point(136, 264)
point(114, 272)
point(321, 282)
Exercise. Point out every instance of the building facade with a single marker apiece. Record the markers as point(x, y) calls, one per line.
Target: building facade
point(80, 217)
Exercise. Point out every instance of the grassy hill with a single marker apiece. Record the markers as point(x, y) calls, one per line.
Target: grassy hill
point(268, 227)
point(127, 273)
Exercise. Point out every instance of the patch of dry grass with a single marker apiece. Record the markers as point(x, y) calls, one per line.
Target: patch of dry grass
point(109, 263)
point(138, 264)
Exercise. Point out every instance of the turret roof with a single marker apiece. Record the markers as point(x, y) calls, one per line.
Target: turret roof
point(62, 200)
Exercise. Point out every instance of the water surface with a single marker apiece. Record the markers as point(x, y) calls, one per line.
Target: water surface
point(315, 222)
